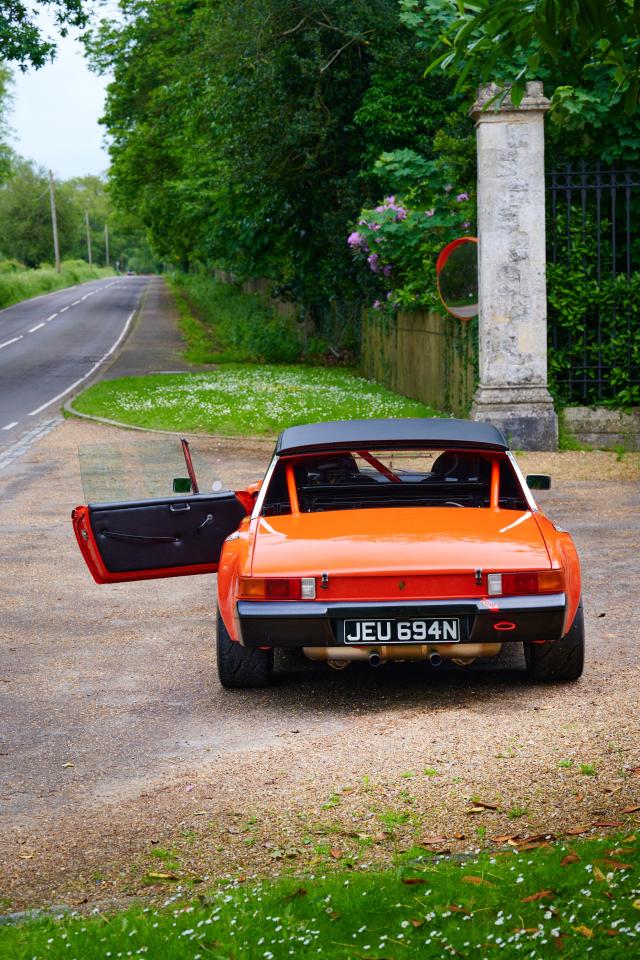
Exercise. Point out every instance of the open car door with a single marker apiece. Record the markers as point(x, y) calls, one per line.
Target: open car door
point(150, 539)
point(158, 536)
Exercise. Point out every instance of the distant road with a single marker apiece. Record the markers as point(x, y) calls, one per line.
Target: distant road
point(51, 345)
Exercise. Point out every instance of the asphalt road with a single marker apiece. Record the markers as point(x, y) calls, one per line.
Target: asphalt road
point(53, 344)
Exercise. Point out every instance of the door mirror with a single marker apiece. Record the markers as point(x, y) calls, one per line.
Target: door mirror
point(181, 485)
point(457, 277)
point(539, 481)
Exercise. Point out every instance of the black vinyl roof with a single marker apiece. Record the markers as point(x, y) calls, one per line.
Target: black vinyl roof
point(381, 434)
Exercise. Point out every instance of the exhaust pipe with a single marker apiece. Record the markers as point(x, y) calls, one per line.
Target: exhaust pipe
point(462, 653)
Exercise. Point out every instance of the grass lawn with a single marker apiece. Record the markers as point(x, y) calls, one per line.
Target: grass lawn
point(244, 399)
point(571, 900)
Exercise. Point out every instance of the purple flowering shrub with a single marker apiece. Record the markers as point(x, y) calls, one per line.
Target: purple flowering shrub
point(399, 240)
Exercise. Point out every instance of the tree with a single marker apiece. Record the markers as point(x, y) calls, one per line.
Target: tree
point(21, 38)
point(243, 135)
point(128, 243)
point(512, 41)
point(25, 216)
point(484, 35)
point(6, 153)
point(25, 221)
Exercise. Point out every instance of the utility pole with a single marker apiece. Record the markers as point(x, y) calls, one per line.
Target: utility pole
point(86, 223)
point(54, 222)
point(106, 244)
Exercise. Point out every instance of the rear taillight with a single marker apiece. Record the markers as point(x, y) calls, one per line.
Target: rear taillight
point(525, 582)
point(269, 588)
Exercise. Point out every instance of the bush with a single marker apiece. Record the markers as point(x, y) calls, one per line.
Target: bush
point(399, 240)
point(11, 266)
point(240, 326)
point(594, 354)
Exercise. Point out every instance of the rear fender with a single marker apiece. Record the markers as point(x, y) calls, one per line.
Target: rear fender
point(235, 561)
point(564, 556)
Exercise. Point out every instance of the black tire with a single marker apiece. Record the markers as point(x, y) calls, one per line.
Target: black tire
point(240, 666)
point(560, 660)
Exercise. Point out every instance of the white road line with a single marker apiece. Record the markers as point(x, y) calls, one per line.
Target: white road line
point(37, 327)
point(88, 374)
point(10, 426)
point(52, 317)
point(76, 302)
point(62, 309)
point(9, 342)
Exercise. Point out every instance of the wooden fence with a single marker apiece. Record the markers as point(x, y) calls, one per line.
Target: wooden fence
point(422, 355)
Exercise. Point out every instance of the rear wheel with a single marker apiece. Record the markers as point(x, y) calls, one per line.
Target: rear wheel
point(240, 666)
point(560, 660)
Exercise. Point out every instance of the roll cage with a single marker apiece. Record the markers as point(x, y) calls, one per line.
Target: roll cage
point(339, 479)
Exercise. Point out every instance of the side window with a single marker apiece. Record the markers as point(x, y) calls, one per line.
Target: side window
point(511, 497)
point(276, 501)
point(142, 468)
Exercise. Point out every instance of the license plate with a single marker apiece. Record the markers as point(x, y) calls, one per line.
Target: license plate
point(401, 631)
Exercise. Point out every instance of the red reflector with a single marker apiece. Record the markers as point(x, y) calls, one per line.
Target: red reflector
point(275, 588)
point(519, 583)
point(504, 625)
point(282, 589)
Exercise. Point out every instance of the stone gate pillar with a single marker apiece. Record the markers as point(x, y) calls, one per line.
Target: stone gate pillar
point(513, 393)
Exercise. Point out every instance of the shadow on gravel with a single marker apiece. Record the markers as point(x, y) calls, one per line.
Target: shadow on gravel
point(310, 688)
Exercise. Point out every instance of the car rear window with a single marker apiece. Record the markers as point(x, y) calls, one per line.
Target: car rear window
point(360, 479)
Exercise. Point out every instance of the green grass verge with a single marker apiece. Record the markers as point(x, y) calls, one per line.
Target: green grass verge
point(221, 323)
point(244, 399)
point(572, 901)
point(18, 285)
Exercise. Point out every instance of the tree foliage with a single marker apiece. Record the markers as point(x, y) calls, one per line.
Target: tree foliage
point(21, 37)
point(245, 132)
point(516, 39)
point(6, 153)
point(25, 217)
point(25, 221)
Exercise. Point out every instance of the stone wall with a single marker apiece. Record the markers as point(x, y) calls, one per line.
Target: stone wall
point(604, 428)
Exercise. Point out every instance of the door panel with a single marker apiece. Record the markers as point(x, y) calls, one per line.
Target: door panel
point(150, 539)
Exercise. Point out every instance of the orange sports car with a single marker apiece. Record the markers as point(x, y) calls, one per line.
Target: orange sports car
point(373, 540)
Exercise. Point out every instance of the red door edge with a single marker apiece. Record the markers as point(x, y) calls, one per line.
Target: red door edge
point(91, 554)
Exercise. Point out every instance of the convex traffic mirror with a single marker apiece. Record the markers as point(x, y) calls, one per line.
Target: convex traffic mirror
point(457, 276)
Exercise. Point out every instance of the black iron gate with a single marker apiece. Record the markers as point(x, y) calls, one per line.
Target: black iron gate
point(593, 254)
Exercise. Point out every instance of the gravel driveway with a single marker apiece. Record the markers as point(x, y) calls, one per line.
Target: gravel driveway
point(118, 743)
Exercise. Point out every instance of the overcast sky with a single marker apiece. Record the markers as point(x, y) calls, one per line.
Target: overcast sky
point(55, 114)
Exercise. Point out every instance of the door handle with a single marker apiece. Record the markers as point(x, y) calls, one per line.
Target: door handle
point(179, 507)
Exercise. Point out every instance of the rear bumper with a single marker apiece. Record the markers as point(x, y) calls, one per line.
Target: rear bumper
point(266, 623)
